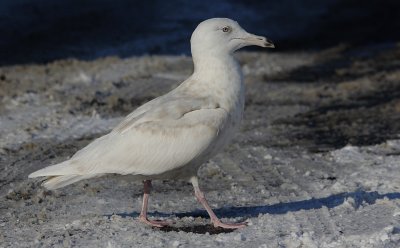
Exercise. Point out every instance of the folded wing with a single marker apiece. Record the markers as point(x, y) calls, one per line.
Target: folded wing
point(153, 141)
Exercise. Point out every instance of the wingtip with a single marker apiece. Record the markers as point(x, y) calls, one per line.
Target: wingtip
point(35, 174)
point(52, 170)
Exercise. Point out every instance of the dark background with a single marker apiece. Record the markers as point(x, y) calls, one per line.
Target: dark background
point(39, 31)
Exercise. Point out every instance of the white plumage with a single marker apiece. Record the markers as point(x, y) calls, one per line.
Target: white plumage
point(172, 135)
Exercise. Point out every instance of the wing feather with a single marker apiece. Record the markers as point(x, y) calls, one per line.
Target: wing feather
point(152, 142)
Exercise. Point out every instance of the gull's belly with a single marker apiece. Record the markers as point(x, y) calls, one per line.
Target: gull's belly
point(231, 127)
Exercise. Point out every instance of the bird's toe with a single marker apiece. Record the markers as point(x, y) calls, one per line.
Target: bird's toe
point(154, 223)
point(229, 225)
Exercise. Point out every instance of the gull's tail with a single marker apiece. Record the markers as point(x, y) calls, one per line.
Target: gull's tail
point(61, 181)
point(59, 175)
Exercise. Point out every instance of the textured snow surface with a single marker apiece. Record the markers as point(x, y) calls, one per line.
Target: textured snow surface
point(316, 163)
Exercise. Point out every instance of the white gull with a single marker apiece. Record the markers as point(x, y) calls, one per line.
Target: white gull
point(171, 136)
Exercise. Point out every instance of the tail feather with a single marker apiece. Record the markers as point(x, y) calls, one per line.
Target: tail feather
point(62, 169)
point(61, 175)
point(62, 181)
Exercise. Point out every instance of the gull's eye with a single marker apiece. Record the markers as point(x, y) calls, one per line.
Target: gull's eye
point(226, 29)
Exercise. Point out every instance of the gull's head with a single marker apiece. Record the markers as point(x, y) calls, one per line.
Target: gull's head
point(223, 36)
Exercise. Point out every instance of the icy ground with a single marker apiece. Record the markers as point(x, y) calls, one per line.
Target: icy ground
point(316, 163)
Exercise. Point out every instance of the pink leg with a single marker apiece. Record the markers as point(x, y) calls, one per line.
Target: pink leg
point(214, 219)
point(143, 214)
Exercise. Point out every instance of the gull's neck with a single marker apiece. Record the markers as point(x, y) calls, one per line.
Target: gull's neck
point(219, 72)
point(218, 76)
point(215, 65)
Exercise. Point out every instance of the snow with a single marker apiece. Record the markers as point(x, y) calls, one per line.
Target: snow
point(300, 173)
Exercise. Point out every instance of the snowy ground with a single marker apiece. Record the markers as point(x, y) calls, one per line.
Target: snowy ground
point(316, 163)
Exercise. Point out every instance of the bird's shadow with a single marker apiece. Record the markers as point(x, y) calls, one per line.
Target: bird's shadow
point(360, 197)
